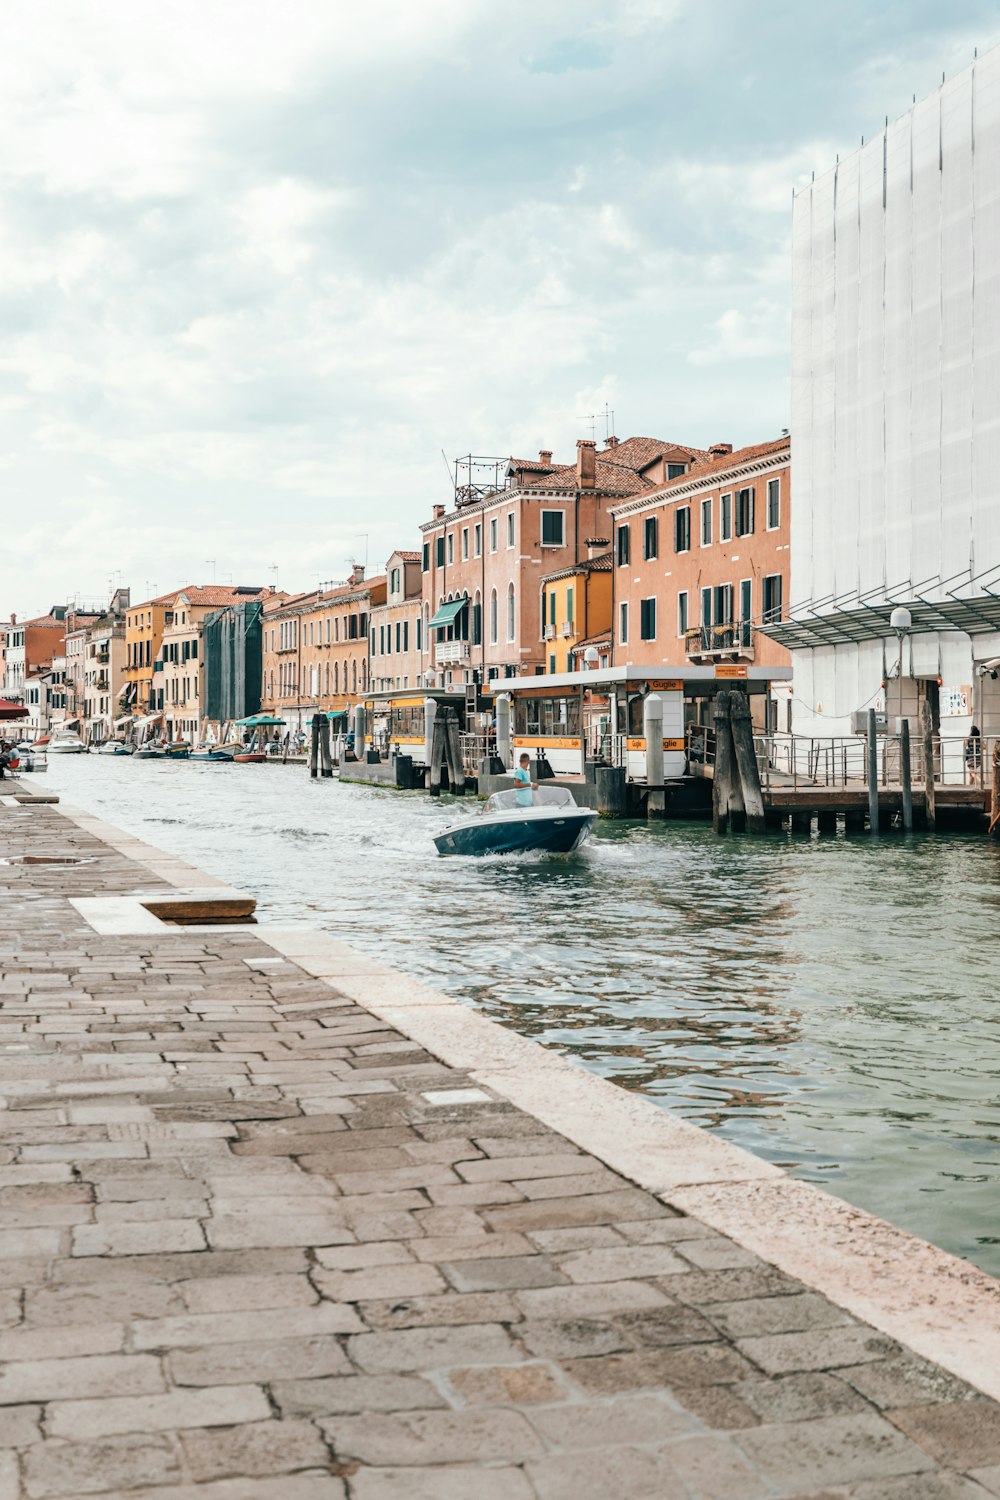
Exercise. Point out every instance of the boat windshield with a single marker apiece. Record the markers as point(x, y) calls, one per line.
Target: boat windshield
point(543, 796)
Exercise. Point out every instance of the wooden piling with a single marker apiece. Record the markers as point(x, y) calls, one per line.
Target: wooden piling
point(437, 753)
point(314, 748)
point(727, 799)
point(905, 777)
point(746, 761)
point(453, 748)
point(927, 737)
point(325, 755)
point(826, 822)
point(612, 794)
point(872, 772)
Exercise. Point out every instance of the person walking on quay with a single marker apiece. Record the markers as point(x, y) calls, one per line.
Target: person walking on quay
point(525, 785)
point(974, 749)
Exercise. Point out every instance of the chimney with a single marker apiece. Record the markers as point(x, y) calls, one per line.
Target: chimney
point(358, 573)
point(595, 546)
point(545, 457)
point(719, 450)
point(586, 464)
point(611, 442)
point(438, 512)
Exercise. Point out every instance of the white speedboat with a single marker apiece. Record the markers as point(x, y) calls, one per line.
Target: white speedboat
point(66, 742)
point(113, 747)
point(552, 822)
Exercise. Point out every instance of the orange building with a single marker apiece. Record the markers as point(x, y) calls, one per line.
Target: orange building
point(144, 627)
point(394, 628)
point(576, 608)
point(316, 649)
point(703, 561)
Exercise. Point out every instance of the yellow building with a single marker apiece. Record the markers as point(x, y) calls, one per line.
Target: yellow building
point(576, 607)
point(144, 626)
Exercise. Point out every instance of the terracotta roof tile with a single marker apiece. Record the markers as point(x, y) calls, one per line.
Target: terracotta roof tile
point(407, 556)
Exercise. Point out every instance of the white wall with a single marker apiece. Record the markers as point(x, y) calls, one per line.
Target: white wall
point(896, 384)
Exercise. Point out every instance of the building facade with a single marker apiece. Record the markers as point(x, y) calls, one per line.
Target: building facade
point(576, 609)
point(178, 669)
point(703, 562)
point(232, 664)
point(103, 678)
point(483, 561)
point(316, 650)
point(144, 627)
point(395, 627)
point(29, 649)
point(895, 369)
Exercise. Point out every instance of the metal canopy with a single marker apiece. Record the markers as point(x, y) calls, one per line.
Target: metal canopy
point(870, 622)
point(448, 613)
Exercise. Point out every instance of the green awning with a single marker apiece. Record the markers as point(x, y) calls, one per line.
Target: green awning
point(448, 613)
point(260, 721)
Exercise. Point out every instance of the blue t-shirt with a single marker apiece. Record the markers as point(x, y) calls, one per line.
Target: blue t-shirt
point(524, 788)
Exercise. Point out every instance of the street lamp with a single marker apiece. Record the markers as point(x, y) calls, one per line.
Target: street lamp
point(900, 620)
point(591, 657)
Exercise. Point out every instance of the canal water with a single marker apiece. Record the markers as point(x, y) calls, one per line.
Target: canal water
point(832, 1005)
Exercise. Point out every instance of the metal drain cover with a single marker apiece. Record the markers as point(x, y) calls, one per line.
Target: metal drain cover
point(50, 859)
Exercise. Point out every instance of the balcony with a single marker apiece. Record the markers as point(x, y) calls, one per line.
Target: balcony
point(550, 632)
point(567, 631)
point(450, 653)
point(705, 644)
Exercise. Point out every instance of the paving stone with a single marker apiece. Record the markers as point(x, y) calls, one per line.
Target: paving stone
point(19, 1426)
point(451, 1310)
point(582, 1476)
point(379, 1281)
point(561, 1213)
point(508, 1385)
point(799, 1398)
point(307, 1486)
point(62, 1342)
point(764, 1315)
point(819, 1349)
point(100, 1375)
point(163, 1413)
point(906, 1381)
point(354, 1393)
point(455, 1482)
point(719, 1407)
point(69, 1469)
point(659, 1327)
point(697, 1364)
point(713, 1468)
point(621, 1262)
point(259, 1325)
point(962, 1434)
point(138, 1239)
point(258, 1448)
point(431, 1348)
point(585, 1301)
point(433, 1437)
point(259, 1361)
point(228, 1293)
point(600, 1424)
point(571, 1338)
point(831, 1451)
point(939, 1486)
point(508, 1273)
point(453, 1248)
point(988, 1478)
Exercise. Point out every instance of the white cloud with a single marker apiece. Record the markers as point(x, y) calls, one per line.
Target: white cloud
point(757, 334)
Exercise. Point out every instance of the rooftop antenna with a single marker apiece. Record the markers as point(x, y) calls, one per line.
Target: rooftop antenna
point(592, 419)
point(451, 478)
point(273, 568)
point(609, 421)
point(210, 563)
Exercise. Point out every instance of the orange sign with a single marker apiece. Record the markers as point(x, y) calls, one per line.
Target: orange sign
point(640, 744)
point(730, 669)
point(547, 742)
point(670, 686)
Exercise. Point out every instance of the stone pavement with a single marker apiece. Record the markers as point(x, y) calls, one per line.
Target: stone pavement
point(257, 1245)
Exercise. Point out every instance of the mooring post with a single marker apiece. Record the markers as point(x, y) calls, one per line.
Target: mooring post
point(437, 752)
point(325, 756)
point(927, 734)
point(727, 800)
point(453, 749)
point(746, 761)
point(314, 748)
point(905, 774)
point(612, 793)
point(652, 723)
point(503, 704)
point(872, 771)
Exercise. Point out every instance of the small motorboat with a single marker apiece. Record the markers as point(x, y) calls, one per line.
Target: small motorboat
point(112, 747)
point(66, 742)
point(30, 757)
point(250, 757)
point(150, 750)
point(177, 750)
point(221, 754)
point(552, 823)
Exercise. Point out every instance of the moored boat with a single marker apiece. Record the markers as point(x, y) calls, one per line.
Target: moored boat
point(66, 742)
point(552, 823)
point(112, 747)
point(221, 754)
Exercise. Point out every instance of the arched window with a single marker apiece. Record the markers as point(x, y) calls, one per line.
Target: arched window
point(336, 677)
point(477, 619)
point(493, 618)
point(354, 676)
point(510, 611)
point(327, 679)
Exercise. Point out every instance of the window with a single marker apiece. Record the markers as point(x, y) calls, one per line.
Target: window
point(674, 471)
point(744, 512)
point(773, 504)
point(569, 605)
point(399, 637)
point(682, 529)
point(650, 537)
point(552, 528)
point(706, 523)
point(406, 635)
point(510, 530)
point(451, 546)
point(419, 633)
point(706, 609)
point(493, 535)
point(493, 618)
point(682, 614)
point(552, 607)
point(623, 623)
point(552, 663)
point(477, 540)
point(723, 604)
point(726, 518)
point(746, 610)
point(510, 612)
point(477, 621)
point(439, 551)
point(771, 610)
point(624, 546)
point(647, 619)
point(465, 543)
point(394, 580)
point(427, 557)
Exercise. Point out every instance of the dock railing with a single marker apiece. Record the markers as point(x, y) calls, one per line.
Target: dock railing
point(792, 761)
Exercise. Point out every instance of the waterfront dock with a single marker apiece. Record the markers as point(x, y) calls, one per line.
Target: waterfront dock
point(282, 1224)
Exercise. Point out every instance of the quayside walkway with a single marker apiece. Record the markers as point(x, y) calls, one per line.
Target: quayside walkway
point(259, 1243)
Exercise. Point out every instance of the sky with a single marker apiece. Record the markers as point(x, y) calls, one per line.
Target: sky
point(267, 269)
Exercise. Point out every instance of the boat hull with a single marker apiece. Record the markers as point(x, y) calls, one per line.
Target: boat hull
point(254, 757)
point(557, 834)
